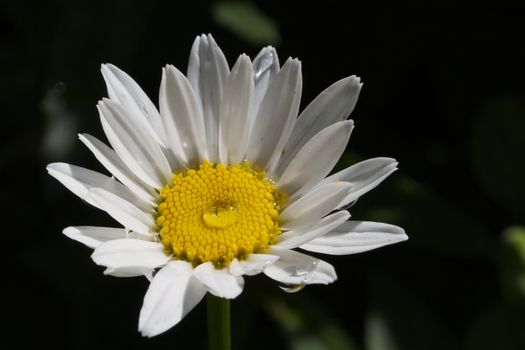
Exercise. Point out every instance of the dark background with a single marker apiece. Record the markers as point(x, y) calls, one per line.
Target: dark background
point(443, 93)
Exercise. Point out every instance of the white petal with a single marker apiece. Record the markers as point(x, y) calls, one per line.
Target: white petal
point(276, 116)
point(265, 67)
point(363, 176)
point(220, 283)
point(123, 211)
point(317, 157)
point(333, 105)
point(182, 115)
point(235, 121)
point(295, 268)
point(129, 271)
point(93, 236)
point(253, 265)
point(175, 149)
point(173, 292)
point(110, 160)
point(134, 144)
point(207, 73)
point(301, 235)
point(123, 89)
point(81, 180)
point(314, 205)
point(356, 237)
point(129, 257)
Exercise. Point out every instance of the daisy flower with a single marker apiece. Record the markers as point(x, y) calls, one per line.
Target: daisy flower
point(224, 179)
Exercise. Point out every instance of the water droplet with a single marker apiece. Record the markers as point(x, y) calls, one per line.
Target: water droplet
point(348, 206)
point(267, 263)
point(220, 216)
point(265, 63)
point(154, 272)
point(306, 267)
point(292, 288)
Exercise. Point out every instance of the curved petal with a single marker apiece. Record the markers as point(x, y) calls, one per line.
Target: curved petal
point(124, 90)
point(175, 149)
point(295, 238)
point(253, 265)
point(129, 271)
point(220, 283)
point(173, 292)
point(314, 205)
point(332, 105)
point(81, 180)
point(110, 160)
point(265, 67)
point(317, 157)
point(93, 236)
point(276, 116)
point(294, 268)
point(207, 73)
point(235, 112)
point(123, 211)
point(182, 115)
point(364, 176)
point(134, 144)
point(133, 256)
point(356, 237)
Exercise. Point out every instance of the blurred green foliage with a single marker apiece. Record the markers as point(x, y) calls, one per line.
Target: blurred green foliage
point(497, 151)
point(308, 325)
point(398, 319)
point(513, 265)
point(501, 325)
point(247, 21)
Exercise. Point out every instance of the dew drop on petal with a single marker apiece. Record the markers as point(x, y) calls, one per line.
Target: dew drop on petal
point(292, 288)
point(306, 267)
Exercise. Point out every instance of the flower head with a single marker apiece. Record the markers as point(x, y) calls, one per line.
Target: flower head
point(223, 180)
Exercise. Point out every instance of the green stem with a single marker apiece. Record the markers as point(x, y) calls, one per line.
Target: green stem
point(218, 323)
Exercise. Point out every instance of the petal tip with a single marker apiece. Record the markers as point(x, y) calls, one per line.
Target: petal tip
point(69, 231)
point(50, 167)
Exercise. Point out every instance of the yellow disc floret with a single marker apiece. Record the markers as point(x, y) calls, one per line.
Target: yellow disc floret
point(217, 213)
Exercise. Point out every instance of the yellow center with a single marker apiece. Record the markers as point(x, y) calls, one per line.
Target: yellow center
point(217, 213)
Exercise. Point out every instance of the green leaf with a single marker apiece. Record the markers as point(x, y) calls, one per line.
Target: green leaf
point(499, 328)
point(308, 325)
point(399, 320)
point(497, 151)
point(247, 21)
point(378, 334)
point(513, 265)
